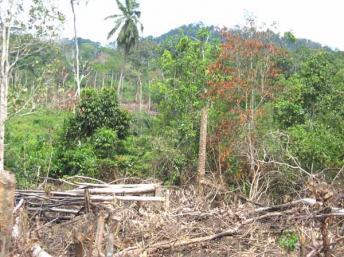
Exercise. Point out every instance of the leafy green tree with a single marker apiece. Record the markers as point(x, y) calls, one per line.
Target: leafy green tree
point(310, 110)
point(97, 109)
point(127, 23)
point(181, 94)
point(92, 136)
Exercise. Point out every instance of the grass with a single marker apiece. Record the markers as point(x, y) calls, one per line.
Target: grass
point(29, 145)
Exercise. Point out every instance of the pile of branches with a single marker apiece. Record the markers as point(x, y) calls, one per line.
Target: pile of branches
point(67, 204)
point(186, 224)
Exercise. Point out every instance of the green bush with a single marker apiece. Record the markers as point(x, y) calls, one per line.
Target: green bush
point(30, 141)
point(106, 143)
point(97, 109)
point(92, 138)
point(80, 160)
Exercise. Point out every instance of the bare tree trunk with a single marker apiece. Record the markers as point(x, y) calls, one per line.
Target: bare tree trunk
point(4, 73)
point(140, 94)
point(95, 80)
point(103, 81)
point(202, 156)
point(121, 78)
point(112, 79)
point(119, 87)
point(77, 61)
point(149, 96)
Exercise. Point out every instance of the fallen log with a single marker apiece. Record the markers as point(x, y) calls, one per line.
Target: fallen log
point(110, 190)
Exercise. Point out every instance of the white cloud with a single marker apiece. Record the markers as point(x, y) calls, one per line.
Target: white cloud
point(318, 20)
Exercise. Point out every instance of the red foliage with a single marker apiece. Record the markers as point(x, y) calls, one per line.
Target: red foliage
point(243, 77)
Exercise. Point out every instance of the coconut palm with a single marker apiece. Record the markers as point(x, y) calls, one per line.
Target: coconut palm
point(128, 25)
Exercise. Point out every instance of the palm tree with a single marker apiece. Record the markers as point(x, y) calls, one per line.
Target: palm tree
point(127, 23)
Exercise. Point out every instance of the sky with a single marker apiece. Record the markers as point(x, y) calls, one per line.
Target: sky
point(318, 20)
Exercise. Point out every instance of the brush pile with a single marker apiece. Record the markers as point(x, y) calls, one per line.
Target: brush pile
point(65, 205)
point(173, 222)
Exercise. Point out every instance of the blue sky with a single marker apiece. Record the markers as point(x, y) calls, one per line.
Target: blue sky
point(318, 20)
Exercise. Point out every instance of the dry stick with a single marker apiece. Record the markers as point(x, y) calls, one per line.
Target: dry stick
point(135, 251)
point(316, 251)
point(37, 251)
point(109, 245)
point(305, 201)
point(99, 235)
point(111, 237)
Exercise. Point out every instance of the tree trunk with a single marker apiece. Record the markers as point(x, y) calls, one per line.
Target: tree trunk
point(149, 97)
point(103, 81)
point(7, 195)
point(95, 80)
point(140, 94)
point(112, 79)
point(121, 77)
point(202, 148)
point(4, 73)
point(77, 61)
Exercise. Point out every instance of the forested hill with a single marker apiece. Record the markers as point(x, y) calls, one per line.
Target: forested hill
point(191, 30)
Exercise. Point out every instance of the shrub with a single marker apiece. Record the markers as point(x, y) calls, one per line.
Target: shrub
point(92, 138)
point(97, 109)
point(30, 145)
point(106, 143)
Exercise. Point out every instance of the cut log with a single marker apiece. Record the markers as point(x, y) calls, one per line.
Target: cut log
point(110, 190)
point(7, 196)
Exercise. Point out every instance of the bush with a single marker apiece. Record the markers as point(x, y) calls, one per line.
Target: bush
point(30, 145)
point(106, 143)
point(97, 109)
point(80, 160)
point(92, 138)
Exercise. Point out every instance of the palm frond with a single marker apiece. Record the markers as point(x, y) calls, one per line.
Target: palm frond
point(113, 16)
point(113, 31)
point(121, 7)
point(128, 4)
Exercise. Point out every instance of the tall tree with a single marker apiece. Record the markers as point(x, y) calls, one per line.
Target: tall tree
point(76, 60)
point(77, 78)
point(7, 11)
point(244, 78)
point(128, 25)
point(34, 20)
point(202, 155)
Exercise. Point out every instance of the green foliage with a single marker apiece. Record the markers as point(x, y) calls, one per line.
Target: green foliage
point(79, 160)
point(181, 95)
point(310, 110)
point(288, 241)
point(92, 137)
point(317, 146)
point(30, 145)
point(106, 143)
point(97, 109)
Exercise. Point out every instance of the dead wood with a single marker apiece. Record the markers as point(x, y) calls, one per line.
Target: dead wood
point(37, 251)
point(136, 251)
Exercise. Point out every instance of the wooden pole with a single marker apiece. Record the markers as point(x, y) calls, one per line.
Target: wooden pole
point(202, 156)
point(7, 196)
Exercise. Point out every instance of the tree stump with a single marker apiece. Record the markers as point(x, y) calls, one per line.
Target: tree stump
point(7, 198)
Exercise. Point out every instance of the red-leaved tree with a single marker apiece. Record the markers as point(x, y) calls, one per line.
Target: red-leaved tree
point(244, 79)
